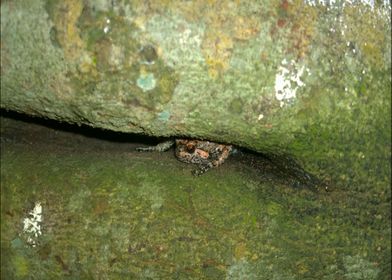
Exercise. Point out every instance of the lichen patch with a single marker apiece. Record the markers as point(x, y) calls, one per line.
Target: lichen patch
point(32, 225)
point(288, 81)
point(146, 81)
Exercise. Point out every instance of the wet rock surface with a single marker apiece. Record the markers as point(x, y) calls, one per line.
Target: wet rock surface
point(82, 203)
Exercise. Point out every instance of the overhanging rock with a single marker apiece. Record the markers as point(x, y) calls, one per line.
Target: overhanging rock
point(296, 77)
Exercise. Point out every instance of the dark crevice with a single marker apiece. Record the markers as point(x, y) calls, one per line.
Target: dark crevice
point(84, 130)
point(280, 169)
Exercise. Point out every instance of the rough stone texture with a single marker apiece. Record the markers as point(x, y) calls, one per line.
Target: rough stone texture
point(290, 77)
point(78, 207)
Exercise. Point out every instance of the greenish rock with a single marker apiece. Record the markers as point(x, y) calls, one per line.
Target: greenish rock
point(299, 78)
point(110, 212)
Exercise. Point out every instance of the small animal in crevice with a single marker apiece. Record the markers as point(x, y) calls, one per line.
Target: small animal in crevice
point(277, 168)
point(205, 154)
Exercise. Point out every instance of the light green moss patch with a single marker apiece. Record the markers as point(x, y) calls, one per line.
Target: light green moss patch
point(146, 82)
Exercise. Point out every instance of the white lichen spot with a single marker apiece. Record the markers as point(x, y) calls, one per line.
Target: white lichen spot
point(107, 26)
point(32, 225)
point(261, 116)
point(288, 81)
point(188, 38)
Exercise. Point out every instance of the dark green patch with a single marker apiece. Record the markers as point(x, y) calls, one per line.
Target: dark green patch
point(148, 54)
point(236, 105)
point(54, 38)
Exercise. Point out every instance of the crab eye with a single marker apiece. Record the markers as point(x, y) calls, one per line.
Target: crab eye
point(190, 148)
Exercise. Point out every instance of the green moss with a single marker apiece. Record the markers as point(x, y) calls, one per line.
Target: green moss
point(274, 209)
point(113, 214)
point(21, 266)
point(236, 106)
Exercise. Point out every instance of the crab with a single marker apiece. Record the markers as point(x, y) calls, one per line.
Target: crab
point(205, 154)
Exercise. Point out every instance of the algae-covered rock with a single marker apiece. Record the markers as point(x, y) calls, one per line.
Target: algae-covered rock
point(288, 77)
point(77, 207)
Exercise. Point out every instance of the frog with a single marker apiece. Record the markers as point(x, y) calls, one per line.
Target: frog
point(205, 154)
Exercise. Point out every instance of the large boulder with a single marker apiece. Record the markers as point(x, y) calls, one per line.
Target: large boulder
point(291, 77)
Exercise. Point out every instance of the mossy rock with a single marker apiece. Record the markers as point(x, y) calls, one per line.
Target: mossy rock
point(307, 80)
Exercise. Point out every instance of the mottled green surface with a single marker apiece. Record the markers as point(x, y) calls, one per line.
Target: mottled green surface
point(112, 213)
point(204, 70)
point(211, 70)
